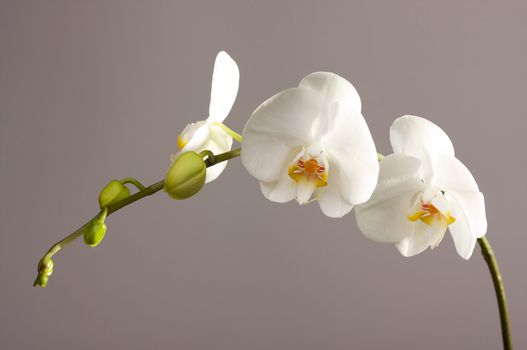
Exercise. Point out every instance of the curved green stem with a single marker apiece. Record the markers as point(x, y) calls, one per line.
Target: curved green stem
point(135, 182)
point(229, 131)
point(209, 154)
point(499, 287)
point(44, 272)
point(223, 157)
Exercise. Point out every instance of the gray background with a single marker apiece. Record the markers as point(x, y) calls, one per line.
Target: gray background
point(94, 90)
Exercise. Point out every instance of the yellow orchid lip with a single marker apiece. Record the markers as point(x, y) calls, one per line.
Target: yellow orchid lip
point(309, 170)
point(429, 214)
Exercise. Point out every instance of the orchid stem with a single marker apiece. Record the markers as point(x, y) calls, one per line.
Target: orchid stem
point(144, 192)
point(222, 157)
point(136, 183)
point(229, 131)
point(499, 287)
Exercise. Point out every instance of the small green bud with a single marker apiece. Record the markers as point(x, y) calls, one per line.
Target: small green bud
point(186, 176)
point(94, 233)
point(45, 269)
point(41, 281)
point(113, 193)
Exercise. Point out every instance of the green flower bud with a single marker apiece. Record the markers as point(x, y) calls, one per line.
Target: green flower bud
point(45, 266)
point(186, 176)
point(113, 193)
point(94, 233)
point(41, 281)
point(45, 269)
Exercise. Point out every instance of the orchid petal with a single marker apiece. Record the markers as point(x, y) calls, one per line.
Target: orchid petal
point(330, 198)
point(460, 230)
point(420, 138)
point(280, 191)
point(280, 124)
point(384, 217)
point(332, 87)
point(304, 191)
point(219, 142)
point(195, 135)
point(449, 173)
point(225, 81)
point(473, 206)
point(284, 189)
point(417, 242)
point(350, 144)
point(455, 179)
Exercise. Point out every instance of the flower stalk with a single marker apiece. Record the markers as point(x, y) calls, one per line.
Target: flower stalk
point(499, 287)
point(45, 266)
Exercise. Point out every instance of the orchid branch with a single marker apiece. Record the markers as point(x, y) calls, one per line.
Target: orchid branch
point(499, 287)
point(45, 266)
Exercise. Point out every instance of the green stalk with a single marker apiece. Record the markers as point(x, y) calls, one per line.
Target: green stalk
point(45, 266)
point(499, 287)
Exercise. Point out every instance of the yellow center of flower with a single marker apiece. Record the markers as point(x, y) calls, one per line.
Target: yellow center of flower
point(309, 170)
point(428, 213)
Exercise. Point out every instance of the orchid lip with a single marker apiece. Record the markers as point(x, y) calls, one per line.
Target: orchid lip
point(429, 214)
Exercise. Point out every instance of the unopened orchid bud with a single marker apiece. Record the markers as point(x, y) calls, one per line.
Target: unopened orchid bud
point(112, 193)
point(45, 269)
point(95, 231)
point(186, 176)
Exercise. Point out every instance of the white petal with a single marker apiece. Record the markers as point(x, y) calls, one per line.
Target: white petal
point(276, 127)
point(417, 242)
point(222, 140)
point(304, 191)
point(473, 206)
point(214, 171)
point(225, 80)
point(418, 137)
point(350, 144)
point(450, 174)
point(384, 217)
point(333, 88)
point(280, 191)
point(284, 189)
point(330, 198)
point(332, 204)
point(464, 238)
point(195, 135)
point(219, 142)
point(437, 232)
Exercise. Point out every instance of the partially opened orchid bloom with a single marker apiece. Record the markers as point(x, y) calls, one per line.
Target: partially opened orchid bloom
point(210, 134)
point(423, 189)
point(312, 142)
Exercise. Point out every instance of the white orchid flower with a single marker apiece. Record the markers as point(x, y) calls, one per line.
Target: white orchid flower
point(312, 142)
point(423, 189)
point(211, 134)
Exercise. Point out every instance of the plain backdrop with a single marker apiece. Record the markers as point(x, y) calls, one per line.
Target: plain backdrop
point(96, 90)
